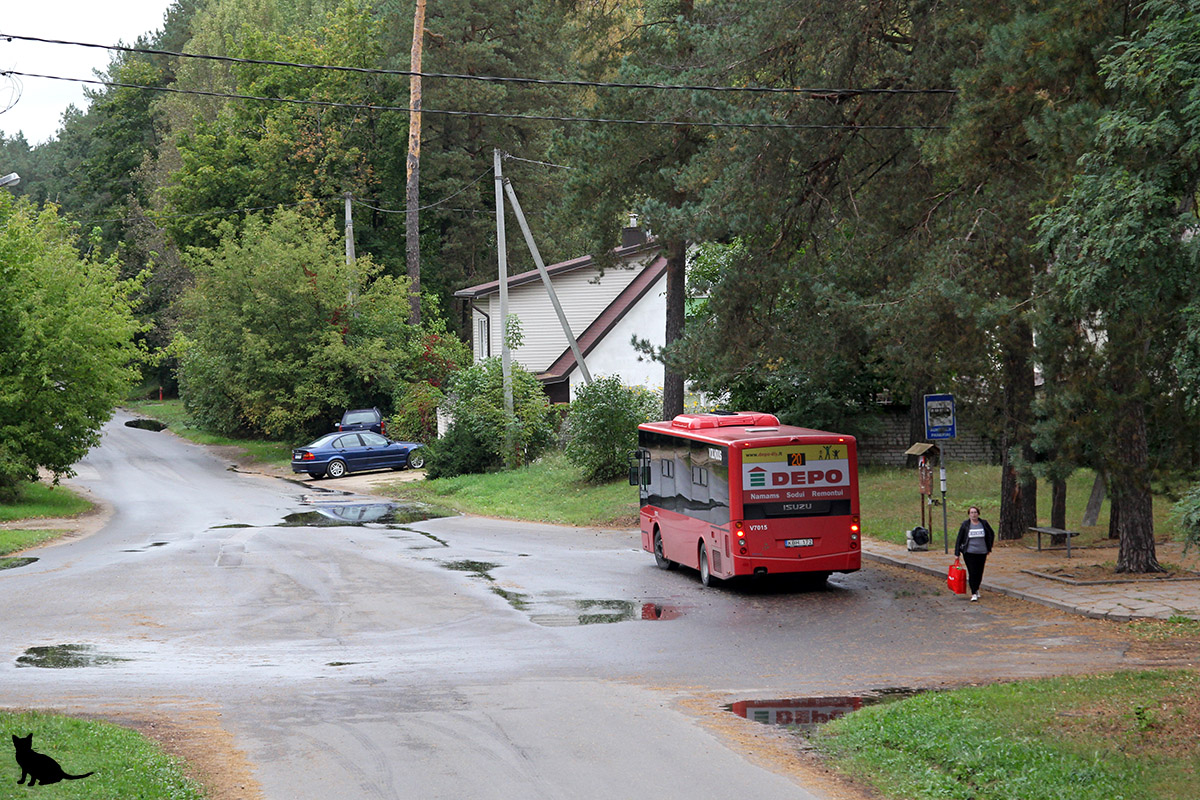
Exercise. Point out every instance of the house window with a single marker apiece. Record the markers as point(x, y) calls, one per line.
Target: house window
point(668, 467)
point(484, 347)
point(700, 476)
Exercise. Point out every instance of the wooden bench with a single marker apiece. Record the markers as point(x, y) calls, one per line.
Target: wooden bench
point(1058, 536)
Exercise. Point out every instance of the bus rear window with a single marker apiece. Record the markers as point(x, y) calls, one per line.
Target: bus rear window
point(797, 508)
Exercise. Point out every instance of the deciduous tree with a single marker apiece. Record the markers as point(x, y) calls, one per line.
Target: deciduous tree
point(67, 353)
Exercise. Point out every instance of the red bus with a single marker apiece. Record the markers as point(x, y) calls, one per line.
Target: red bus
point(732, 494)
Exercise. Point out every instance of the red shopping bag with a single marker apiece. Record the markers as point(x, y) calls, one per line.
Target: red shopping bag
point(956, 578)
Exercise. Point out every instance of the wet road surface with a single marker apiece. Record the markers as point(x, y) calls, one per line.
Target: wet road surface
point(354, 649)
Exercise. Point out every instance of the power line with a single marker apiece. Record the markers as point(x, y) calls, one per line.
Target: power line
point(157, 216)
point(445, 199)
point(487, 78)
point(487, 114)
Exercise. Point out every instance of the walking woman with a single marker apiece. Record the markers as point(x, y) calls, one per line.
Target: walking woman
point(974, 542)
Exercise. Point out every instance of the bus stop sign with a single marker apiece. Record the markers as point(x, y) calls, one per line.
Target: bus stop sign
point(939, 416)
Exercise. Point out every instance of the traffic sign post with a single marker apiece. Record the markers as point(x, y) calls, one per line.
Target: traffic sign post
point(940, 424)
point(939, 416)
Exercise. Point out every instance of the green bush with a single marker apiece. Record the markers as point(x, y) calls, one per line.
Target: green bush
point(459, 452)
point(1186, 514)
point(415, 419)
point(476, 401)
point(602, 426)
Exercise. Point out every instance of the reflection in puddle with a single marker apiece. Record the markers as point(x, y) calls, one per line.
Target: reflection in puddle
point(809, 712)
point(557, 613)
point(66, 656)
point(152, 544)
point(481, 569)
point(146, 424)
point(653, 611)
point(363, 513)
point(18, 561)
point(600, 612)
point(515, 599)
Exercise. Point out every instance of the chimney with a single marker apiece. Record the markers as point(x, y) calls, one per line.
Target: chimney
point(632, 235)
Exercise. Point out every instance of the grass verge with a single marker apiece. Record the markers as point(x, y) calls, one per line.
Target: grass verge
point(173, 414)
point(547, 491)
point(125, 763)
point(41, 501)
point(36, 501)
point(1125, 735)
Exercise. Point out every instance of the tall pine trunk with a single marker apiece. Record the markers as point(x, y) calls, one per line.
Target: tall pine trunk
point(1018, 488)
point(1131, 489)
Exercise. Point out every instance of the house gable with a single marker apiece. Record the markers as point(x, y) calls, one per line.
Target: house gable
point(639, 311)
point(586, 294)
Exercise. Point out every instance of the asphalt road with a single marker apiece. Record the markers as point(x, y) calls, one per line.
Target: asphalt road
point(461, 657)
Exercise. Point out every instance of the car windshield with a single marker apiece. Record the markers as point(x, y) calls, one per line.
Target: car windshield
point(324, 440)
point(357, 417)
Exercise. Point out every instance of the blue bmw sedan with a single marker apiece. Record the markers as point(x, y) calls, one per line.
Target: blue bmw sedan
point(336, 454)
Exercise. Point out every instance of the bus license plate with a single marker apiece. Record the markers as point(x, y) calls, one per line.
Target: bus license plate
point(798, 543)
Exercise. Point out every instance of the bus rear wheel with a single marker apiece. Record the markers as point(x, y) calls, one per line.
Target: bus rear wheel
point(660, 559)
point(706, 578)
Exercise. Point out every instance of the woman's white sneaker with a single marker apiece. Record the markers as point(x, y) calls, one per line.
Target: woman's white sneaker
point(974, 598)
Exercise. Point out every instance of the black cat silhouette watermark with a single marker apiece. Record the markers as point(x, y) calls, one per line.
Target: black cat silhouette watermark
point(37, 767)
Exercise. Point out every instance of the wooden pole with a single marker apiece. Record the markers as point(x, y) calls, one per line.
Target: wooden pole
point(412, 194)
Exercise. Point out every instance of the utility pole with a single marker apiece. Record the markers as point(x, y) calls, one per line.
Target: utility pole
point(505, 355)
point(349, 230)
point(412, 194)
point(350, 298)
point(541, 267)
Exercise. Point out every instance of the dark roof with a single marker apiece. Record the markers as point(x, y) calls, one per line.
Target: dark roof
point(491, 287)
point(607, 319)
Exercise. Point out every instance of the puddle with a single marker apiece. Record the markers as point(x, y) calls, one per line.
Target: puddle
point(483, 569)
point(146, 424)
point(656, 611)
point(391, 514)
point(606, 612)
point(426, 534)
point(13, 563)
point(515, 599)
point(480, 569)
point(807, 713)
point(600, 612)
point(554, 612)
point(142, 550)
point(66, 656)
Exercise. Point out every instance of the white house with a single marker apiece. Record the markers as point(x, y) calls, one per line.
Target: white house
point(604, 310)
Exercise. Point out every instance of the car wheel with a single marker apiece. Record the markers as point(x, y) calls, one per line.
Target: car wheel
point(416, 460)
point(336, 468)
point(662, 561)
point(706, 578)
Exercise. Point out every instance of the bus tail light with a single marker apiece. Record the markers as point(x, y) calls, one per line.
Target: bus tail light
point(854, 529)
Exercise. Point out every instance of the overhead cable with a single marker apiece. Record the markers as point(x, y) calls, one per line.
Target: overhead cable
point(487, 114)
point(487, 78)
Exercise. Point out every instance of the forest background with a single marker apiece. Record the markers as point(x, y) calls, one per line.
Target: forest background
point(887, 199)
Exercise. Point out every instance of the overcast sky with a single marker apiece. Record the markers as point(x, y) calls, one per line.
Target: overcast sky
point(40, 103)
